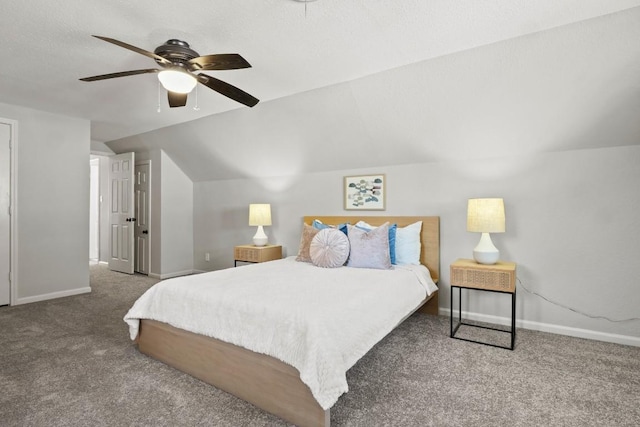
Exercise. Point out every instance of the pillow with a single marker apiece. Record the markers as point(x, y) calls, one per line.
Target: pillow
point(329, 248)
point(408, 244)
point(321, 226)
point(369, 249)
point(308, 232)
point(392, 237)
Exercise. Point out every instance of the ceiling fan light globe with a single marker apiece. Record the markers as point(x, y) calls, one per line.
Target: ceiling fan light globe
point(177, 81)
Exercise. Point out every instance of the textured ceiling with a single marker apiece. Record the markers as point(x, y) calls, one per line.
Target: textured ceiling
point(47, 47)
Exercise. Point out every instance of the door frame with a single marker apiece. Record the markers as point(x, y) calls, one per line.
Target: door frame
point(98, 202)
point(137, 163)
point(13, 216)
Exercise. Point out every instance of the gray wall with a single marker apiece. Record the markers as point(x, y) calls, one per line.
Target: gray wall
point(572, 227)
point(53, 204)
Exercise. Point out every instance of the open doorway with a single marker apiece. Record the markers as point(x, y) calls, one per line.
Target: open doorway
point(99, 212)
point(98, 208)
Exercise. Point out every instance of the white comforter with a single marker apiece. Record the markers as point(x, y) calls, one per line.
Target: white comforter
point(319, 320)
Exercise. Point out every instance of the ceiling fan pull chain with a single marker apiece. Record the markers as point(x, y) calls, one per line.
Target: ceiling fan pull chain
point(158, 96)
point(196, 108)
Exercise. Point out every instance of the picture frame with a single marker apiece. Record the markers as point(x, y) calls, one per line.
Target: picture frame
point(365, 192)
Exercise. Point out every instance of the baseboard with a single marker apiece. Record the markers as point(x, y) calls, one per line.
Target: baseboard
point(548, 327)
point(171, 275)
point(52, 295)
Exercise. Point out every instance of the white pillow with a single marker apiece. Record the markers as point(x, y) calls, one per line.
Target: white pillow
point(408, 244)
point(329, 248)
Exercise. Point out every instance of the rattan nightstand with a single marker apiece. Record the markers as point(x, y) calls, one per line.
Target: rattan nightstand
point(254, 254)
point(499, 277)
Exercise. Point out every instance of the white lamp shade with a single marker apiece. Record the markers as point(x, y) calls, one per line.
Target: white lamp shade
point(485, 216)
point(259, 214)
point(177, 81)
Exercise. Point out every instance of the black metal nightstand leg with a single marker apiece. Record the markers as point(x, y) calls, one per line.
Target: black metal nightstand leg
point(513, 320)
point(451, 312)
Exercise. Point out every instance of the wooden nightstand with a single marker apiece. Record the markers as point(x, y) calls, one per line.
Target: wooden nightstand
point(254, 254)
point(499, 277)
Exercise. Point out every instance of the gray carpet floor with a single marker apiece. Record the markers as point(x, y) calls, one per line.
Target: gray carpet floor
point(69, 362)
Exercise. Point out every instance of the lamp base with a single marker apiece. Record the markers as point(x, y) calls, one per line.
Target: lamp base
point(260, 238)
point(486, 252)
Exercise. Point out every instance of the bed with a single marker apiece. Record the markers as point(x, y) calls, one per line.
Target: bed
point(261, 379)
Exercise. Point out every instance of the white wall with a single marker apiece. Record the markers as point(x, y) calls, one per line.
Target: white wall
point(177, 220)
point(572, 227)
point(52, 206)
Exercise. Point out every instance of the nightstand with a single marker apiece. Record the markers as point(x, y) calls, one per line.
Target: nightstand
point(254, 254)
point(499, 277)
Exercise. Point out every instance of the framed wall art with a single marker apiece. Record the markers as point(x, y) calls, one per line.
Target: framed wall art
point(364, 192)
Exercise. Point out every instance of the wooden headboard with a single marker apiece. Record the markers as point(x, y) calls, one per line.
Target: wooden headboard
point(430, 234)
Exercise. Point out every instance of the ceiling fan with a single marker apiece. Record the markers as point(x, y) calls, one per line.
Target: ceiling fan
point(179, 65)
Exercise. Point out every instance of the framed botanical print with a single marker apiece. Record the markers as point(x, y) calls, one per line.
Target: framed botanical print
point(364, 192)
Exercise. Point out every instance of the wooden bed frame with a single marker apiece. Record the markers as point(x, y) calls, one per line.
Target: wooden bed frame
point(269, 383)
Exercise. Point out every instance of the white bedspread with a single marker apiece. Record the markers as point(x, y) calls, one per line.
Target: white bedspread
point(319, 320)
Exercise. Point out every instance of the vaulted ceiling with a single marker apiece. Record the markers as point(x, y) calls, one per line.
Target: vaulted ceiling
point(293, 46)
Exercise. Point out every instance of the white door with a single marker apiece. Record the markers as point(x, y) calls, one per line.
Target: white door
point(142, 188)
point(5, 218)
point(121, 213)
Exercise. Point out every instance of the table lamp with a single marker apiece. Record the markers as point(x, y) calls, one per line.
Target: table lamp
point(485, 216)
point(260, 215)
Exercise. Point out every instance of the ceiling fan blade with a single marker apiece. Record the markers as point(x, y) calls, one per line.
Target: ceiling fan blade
point(224, 61)
point(177, 99)
point(227, 90)
point(120, 74)
point(135, 49)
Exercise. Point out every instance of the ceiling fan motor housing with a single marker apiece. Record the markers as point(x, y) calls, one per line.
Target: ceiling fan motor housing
point(176, 51)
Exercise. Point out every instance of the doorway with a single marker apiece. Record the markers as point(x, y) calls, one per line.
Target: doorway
point(101, 198)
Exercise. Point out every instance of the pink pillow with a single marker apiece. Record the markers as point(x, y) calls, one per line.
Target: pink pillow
point(308, 232)
point(369, 249)
point(329, 248)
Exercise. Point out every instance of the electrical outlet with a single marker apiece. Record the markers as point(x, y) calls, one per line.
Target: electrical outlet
point(207, 257)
